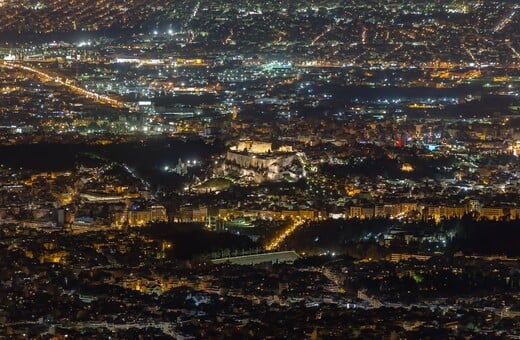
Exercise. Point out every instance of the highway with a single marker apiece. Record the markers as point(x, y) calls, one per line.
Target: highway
point(98, 98)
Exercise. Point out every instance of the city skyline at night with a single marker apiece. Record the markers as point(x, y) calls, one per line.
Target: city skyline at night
point(259, 169)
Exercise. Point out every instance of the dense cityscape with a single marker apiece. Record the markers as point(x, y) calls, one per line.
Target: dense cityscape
point(259, 169)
